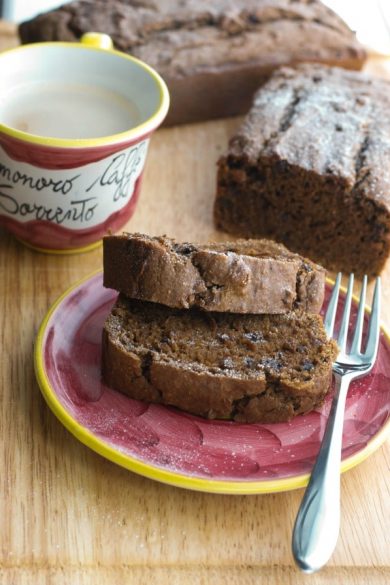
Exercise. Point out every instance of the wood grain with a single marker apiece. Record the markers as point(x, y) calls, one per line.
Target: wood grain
point(203, 575)
point(69, 516)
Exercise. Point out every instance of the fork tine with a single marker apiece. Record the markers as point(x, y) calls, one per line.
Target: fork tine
point(357, 338)
point(343, 333)
point(374, 327)
point(332, 307)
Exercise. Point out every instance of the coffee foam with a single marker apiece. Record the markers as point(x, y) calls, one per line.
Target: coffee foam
point(65, 110)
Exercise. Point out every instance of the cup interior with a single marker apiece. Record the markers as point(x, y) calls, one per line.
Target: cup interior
point(72, 64)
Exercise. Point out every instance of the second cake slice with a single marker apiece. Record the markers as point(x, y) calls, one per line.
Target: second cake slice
point(248, 368)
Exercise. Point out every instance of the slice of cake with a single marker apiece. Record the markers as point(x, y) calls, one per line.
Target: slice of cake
point(213, 54)
point(252, 368)
point(310, 167)
point(247, 276)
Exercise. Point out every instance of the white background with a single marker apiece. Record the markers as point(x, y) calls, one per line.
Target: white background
point(18, 10)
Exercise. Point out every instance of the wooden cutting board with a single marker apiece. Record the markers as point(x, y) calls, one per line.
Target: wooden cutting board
point(70, 517)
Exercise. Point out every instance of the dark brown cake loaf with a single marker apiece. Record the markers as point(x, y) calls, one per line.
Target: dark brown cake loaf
point(311, 167)
point(212, 54)
point(253, 368)
point(247, 276)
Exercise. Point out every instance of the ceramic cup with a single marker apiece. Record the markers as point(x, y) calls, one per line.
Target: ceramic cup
point(75, 123)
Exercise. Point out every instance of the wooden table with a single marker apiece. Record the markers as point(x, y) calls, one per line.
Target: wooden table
point(68, 516)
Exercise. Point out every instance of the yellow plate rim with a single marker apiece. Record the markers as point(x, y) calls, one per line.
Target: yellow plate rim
point(123, 137)
point(171, 477)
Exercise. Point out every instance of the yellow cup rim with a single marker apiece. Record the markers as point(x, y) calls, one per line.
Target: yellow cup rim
point(123, 137)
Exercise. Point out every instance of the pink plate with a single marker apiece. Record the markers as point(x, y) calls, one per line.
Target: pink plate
point(174, 447)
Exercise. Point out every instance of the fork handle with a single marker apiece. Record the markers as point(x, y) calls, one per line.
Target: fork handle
point(318, 521)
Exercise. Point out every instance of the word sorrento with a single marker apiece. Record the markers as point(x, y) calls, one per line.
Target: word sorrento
point(80, 210)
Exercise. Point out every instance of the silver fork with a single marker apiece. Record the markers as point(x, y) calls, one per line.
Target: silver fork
point(318, 521)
